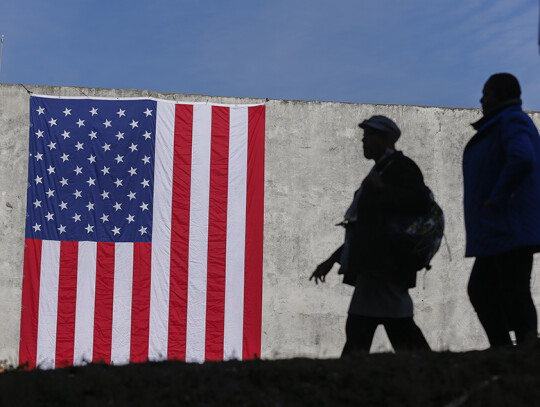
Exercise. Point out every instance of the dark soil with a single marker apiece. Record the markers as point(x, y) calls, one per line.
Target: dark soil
point(489, 378)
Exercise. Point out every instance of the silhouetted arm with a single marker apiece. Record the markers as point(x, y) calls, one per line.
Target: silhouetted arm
point(324, 268)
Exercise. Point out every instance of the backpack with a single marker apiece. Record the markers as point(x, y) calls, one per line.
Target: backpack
point(416, 238)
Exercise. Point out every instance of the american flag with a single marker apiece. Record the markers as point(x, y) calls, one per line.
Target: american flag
point(143, 233)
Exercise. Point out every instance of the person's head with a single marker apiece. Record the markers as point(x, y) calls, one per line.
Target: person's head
point(498, 89)
point(380, 133)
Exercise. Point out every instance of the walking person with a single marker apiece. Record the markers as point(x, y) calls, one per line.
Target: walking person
point(501, 173)
point(395, 185)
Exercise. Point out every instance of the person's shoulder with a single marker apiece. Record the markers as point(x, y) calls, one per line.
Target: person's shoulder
point(404, 163)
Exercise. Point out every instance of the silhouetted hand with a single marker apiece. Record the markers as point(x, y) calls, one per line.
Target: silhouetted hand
point(374, 180)
point(321, 271)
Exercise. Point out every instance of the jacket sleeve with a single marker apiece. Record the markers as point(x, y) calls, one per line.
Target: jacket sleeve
point(519, 158)
point(404, 189)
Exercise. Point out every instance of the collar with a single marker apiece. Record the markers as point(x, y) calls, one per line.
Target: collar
point(495, 111)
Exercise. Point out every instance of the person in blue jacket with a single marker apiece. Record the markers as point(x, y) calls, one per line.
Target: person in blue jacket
point(501, 175)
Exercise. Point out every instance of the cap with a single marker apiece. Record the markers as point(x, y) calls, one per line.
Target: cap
point(382, 123)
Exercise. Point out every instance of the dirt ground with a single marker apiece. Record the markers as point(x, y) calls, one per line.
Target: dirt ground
point(488, 378)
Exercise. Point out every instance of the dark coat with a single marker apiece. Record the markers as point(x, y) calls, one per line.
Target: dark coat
point(404, 193)
point(501, 163)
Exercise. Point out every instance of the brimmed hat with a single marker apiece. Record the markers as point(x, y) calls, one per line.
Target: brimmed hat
point(382, 123)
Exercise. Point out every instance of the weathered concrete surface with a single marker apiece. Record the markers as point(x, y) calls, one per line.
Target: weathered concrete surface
point(314, 162)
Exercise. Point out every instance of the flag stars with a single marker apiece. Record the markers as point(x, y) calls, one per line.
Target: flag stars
point(78, 170)
point(63, 205)
point(39, 156)
point(105, 170)
point(105, 194)
point(142, 230)
point(131, 195)
point(40, 111)
point(89, 228)
point(50, 193)
point(146, 159)
point(52, 146)
point(37, 227)
point(52, 122)
point(38, 179)
point(116, 230)
point(65, 157)
point(147, 135)
point(80, 123)
point(130, 218)
point(104, 218)
point(121, 113)
point(76, 217)
point(91, 181)
point(49, 216)
point(39, 133)
point(67, 112)
point(93, 111)
point(132, 171)
point(77, 193)
point(61, 229)
point(117, 206)
point(119, 159)
point(106, 147)
point(92, 159)
point(79, 146)
point(120, 136)
point(92, 135)
point(90, 206)
point(148, 112)
point(144, 206)
point(107, 123)
point(50, 170)
point(134, 124)
point(133, 147)
point(64, 181)
point(145, 183)
point(65, 134)
point(37, 203)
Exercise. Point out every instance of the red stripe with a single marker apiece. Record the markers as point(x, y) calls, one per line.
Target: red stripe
point(104, 302)
point(140, 302)
point(217, 233)
point(67, 299)
point(254, 234)
point(181, 193)
point(30, 303)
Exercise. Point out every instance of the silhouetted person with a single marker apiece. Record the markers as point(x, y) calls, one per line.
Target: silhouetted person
point(501, 172)
point(395, 185)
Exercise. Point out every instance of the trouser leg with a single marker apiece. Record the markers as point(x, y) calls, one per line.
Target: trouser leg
point(515, 272)
point(485, 293)
point(404, 334)
point(359, 331)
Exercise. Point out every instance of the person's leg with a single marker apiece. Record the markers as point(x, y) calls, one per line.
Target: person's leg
point(516, 267)
point(486, 297)
point(359, 331)
point(404, 334)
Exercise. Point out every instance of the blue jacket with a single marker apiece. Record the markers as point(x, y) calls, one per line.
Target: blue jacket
point(501, 164)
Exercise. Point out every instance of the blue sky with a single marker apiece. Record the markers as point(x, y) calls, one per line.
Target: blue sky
point(416, 52)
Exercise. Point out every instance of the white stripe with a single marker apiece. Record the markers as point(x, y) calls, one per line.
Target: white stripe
point(161, 232)
point(236, 233)
point(48, 304)
point(86, 299)
point(198, 233)
point(123, 285)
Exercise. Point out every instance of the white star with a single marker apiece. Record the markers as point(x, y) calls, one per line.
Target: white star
point(106, 147)
point(40, 110)
point(39, 133)
point(90, 206)
point(107, 123)
point(92, 135)
point(78, 170)
point(119, 135)
point(63, 181)
point(147, 135)
point(37, 203)
point(80, 123)
point(52, 146)
point(76, 217)
point(144, 206)
point(134, 124)
point(133, 147)
point(67, 111)
point(63, 205)
point(65, 134)
point(50, 169)
point(105, 194)
point(89, 228)
point(146, 159)
point(91, 181)
point(148, 112)
point(62, 229)
point(38, 179)
point(65, 157)
point(92, 159)
point(93, 111)
point(77, 193)
point(105, 218)
point(133, 171)
point(131, 195)
point(49, 216)
point(79, 146)
point(39, 156)
point(119, 158)
point(142, 230)
point(37, 227)
point(117, 206)
point(116, 230)
point(130, 218)
point(52, 122)
point(50, 193)
point(105, 170)
point(118, 182)
point(145, 183)
point(121, 113)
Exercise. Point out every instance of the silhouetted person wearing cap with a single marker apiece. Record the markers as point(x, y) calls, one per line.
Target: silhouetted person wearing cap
point(501, 174)
point(395, 185)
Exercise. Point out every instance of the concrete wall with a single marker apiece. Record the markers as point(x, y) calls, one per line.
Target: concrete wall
point(314, 163)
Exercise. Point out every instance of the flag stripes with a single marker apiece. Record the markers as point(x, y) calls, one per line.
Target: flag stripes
point(195, 292)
